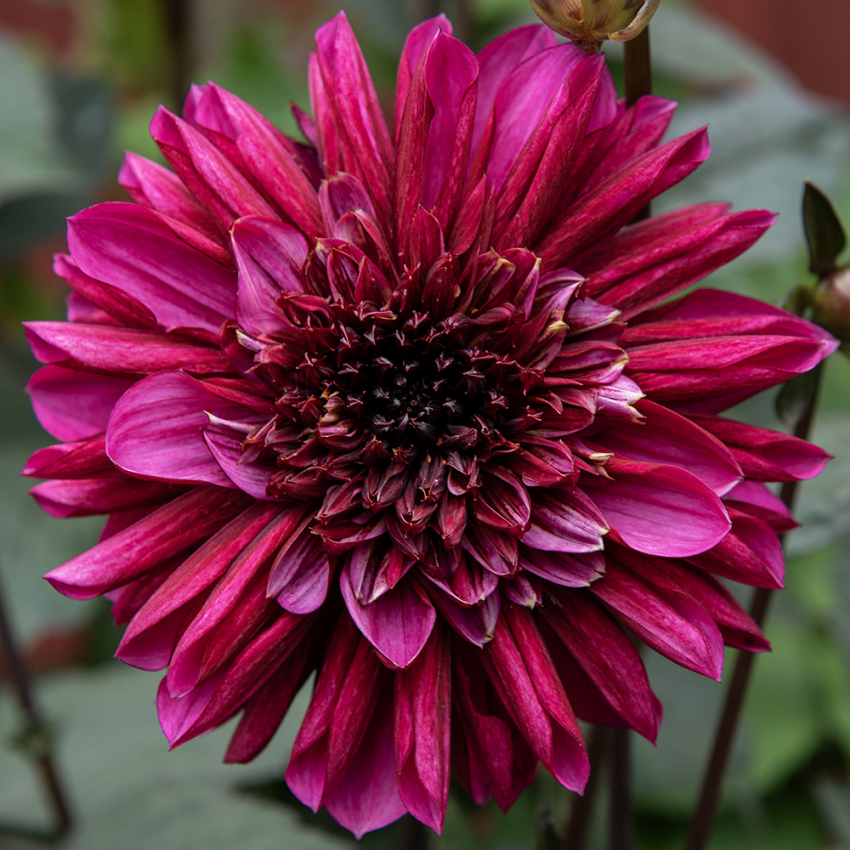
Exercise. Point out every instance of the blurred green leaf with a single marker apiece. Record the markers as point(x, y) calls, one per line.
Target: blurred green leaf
point(797, 300)
point(130, 792)
point(834, 801)
point(824, 232)
point(32, 543)
point(796, 396)
point(29, 159)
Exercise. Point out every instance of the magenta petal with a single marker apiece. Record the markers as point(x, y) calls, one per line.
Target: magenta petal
point(521, 668)
point(360, 133)
point(673, 624)
point(224, 440)
point(367, 797)
point(74, 405)
point(178, 715)
point(133, 249)
point(160, 535)
point(608, 658)
point(475, 623)
point(335, 722)
point(151, 635)
point(156, 430)
point(766, 455)
point(397, 624)
point(660, 510)
point(83, 459)
point(563, 520)
point(423, 733)
point(668, 438)
point(415, 47)
point(269, 256)
point(301, 574)
point(120, 349)
point(499, 59)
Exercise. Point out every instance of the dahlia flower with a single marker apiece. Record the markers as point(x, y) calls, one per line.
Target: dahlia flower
point(411, 412)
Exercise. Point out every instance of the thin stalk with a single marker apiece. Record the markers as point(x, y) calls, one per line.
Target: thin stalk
point(178, 24)
point(581, 810)
point(638, 68)
point(621, 826)
point(465, 28)
point(36, 729)
point(414, 834)
point(424, 9)
point(700, 830)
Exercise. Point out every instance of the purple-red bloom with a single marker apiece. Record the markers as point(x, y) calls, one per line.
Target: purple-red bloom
point(412, 410)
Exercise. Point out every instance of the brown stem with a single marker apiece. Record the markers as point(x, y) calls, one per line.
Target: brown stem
point(421, 10)
point(638, 68)
point(465, 22)
point(700, 830)
point(178, 24)
point(414, 835)
point(621, 828)
point(35, 727)
point(581, 810)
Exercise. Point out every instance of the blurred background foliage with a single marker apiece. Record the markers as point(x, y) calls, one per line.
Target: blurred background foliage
point(79, 80)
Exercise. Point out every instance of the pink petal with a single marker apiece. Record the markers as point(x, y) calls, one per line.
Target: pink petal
point(114, 349)
point(74, 405)
point(301, 574)
point(210, 176)
point(269, 256)
point(660, 510)
point(415, 47)
point(367, 796)
point(522, 671)
point(361, 135)
point(674, 625)
point(750, 553)
point(397, 624)
point(105, 494)
point(499, 59)
point(168, 530)
point(133, 250)
point(423, 733)
point(333, 728)
point(668, 438)
point(766, 455)
point(84, 459)
point(152, 634)
point(608, 659)
point(156, 430)
point(602, 211)
point(564, 521)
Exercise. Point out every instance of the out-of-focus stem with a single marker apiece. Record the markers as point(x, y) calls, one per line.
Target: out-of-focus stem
point(35, 724)
point(414, 835)
point(581, 810)
point(621, 825)
point(638, 72)
point(424, 9)
point(465, 28)
point(700, 830)
point(178, 24)
point(638, 68)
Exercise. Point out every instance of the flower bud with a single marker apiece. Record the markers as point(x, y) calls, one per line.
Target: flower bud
point(831, 303)
point(589, 22)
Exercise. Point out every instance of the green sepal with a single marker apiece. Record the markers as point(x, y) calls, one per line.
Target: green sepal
point(798, 300)
point(796, 396)
point(825, 234)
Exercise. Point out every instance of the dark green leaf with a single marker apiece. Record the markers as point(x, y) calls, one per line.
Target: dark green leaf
point(795, 397)
point(797, 300)
point(824, 231)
